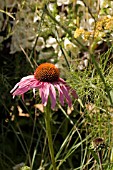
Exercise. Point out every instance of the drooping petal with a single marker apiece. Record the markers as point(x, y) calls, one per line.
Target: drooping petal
point(72, 91)
point(62, 81)
point(27, 77)
point(34, 91)
point(25, 84)
point(26, 80)
point(40, 92)
point(52, 96)
point(74, 94)
point(33, 83)
point(44, 92)
point(61, 96)
point(66, 93)
point(20, 91)
point(15, 87)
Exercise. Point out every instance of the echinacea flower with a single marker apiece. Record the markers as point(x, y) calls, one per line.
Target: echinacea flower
point(46, 79)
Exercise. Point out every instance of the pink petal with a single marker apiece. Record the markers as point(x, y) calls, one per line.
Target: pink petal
point(74, 94)
point(40, 92)
point(29, 82)
point(66, 93)
point(20, 91)
point(62, 81)
point(25, 84)
point(26, 80)
point(44, 92)
point(35, 84)
point(52, 96)
point(27, 77)
point(15, 87)
point(61, 96)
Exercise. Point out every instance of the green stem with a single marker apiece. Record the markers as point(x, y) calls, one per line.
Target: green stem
point(100, 159)
point(69, 32)
point(102, 78)
point(49, 135)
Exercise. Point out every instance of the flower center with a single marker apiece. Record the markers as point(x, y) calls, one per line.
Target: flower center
point(47, 72)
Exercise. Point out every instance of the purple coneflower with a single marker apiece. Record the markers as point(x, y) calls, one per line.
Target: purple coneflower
point(46, 79)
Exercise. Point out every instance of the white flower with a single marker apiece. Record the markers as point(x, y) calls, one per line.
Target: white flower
point(51, 6)
point(63, 2)
point(51, 42)
point(57, 18)
point(101, 3)
point(68, 44)
point(91, 21)
point(36, 18)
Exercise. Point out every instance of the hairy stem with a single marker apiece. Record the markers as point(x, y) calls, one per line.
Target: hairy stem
point(49, 135)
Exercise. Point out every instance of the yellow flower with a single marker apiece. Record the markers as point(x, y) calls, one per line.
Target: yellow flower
point(103, 24)
point(81, 32)
point(78, 32)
